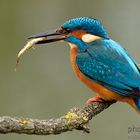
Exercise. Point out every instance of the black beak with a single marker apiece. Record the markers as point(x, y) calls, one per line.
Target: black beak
point(52, 36)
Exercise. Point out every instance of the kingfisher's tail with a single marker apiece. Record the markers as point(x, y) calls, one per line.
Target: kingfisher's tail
point(137, 102)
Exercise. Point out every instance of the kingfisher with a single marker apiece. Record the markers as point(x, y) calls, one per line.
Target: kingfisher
point(98, 61)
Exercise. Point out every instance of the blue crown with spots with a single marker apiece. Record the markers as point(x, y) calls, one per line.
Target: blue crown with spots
point(90, 25)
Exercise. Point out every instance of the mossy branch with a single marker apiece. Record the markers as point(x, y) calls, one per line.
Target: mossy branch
point(76, 118)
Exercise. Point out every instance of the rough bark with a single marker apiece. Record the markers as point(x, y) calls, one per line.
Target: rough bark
point(76, 118)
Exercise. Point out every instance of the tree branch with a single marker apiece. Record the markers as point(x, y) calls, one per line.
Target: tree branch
point(76, 118)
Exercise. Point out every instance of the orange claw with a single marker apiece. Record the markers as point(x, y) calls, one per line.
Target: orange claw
point(94, 99)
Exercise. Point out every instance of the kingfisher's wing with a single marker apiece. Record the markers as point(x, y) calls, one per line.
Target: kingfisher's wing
point(108, 64)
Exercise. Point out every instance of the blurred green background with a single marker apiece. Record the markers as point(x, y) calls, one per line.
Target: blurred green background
point(44, 85)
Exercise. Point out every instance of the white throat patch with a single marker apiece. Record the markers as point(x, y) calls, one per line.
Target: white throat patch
point(89, 38)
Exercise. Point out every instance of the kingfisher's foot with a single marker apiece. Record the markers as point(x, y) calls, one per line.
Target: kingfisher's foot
point(94, 99)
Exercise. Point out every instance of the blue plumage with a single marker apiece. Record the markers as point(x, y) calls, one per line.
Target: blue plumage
point(92, 26)
point(107, 63)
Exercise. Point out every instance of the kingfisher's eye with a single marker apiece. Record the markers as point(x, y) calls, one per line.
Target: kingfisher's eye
point(67, 30)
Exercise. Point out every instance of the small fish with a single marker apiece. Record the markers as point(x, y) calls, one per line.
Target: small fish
point(29, 45)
